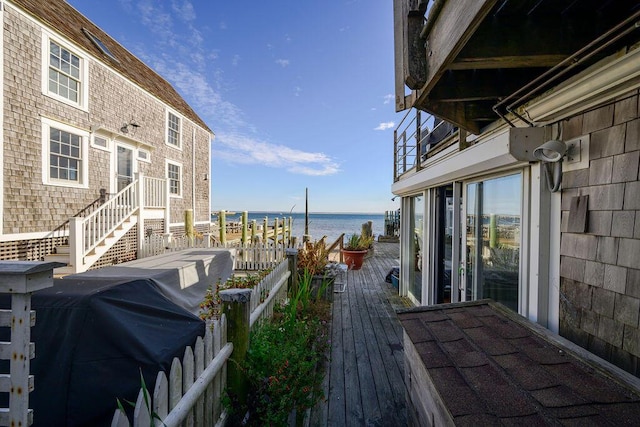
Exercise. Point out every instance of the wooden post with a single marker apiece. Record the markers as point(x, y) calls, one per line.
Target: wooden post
point(245, 227)
point(306, 237)
point(141, 206)
point(76, 243)
point(20, 279)
point(188, 225)
point(222, 222)
point(275, 231)
point(265, 230)
point(292, 258)
point(237, 308)
point(254, 230)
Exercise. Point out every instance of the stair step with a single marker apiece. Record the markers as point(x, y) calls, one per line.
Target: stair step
point(63, 258)
point(63, 249)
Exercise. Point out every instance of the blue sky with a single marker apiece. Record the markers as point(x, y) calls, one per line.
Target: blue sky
point(298, 93)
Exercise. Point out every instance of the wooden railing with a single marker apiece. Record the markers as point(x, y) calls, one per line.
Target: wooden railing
point(338, 244)
point(20, 280)
point(109, 216)
point(155, 192)
point(192, 393)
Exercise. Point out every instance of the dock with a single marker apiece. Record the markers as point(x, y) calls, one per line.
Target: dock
point(364, 383)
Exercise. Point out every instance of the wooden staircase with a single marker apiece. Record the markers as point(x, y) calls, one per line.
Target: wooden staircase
point(63, 252)
point(90, 237)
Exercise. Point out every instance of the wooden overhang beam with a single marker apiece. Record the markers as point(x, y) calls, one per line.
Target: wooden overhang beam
point(470, 116)
point(510, 42)
point(480, 85)
point(455, 25)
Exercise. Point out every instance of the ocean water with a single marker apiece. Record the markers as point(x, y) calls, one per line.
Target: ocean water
point(321, 224)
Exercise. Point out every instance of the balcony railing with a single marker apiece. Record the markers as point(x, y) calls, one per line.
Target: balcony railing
point(417, 133)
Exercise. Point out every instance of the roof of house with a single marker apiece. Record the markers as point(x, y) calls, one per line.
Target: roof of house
point(490, 365)
point(64, 19)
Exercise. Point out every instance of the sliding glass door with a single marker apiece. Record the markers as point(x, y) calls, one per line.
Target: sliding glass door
point(416, 248)
point(492, 243)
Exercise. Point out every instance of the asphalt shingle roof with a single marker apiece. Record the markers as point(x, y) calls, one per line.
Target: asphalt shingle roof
point(491, 366)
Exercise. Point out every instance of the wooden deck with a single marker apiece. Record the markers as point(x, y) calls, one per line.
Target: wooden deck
point(364, 383)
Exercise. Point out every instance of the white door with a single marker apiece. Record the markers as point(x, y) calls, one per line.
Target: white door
point(124, 167)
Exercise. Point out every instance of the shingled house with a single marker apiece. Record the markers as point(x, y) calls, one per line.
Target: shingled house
point(97, 149)
point(531, 196)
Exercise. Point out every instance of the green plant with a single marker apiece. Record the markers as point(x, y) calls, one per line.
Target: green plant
point(153, 416)
point(211, 305)
point(283, 367)
point(358, 242)
point(313, 257)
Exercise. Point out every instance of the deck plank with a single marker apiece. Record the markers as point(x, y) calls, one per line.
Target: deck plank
point(365, 375)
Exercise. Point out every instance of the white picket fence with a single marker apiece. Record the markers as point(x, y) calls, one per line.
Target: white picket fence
point(192, 393)
point(259, 256)
point(270, 290)
point(254, 257)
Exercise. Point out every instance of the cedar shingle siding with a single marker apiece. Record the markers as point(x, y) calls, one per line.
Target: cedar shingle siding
point(600, 270)
point(118, 92)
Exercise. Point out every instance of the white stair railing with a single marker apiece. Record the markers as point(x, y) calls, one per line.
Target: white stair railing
point(103, 221)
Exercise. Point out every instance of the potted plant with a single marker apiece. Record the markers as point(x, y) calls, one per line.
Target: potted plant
point(355, 249)
point(313, 262)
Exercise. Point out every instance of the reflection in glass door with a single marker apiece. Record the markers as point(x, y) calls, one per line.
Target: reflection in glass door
point(415, 248)
point(444, 244)
point(493, 212)
point(124, 167)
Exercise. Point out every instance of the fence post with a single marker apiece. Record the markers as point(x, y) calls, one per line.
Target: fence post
point(222, 223)
point(292, 257)
point(265, 230)
point(141, 206)
point(76, 243)
point(245, 227)
point(188, 226)
point(20, 279)
point(236, 306)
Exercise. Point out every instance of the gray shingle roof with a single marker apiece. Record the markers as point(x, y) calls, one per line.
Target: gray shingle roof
point(491, 366)
point(63, 18)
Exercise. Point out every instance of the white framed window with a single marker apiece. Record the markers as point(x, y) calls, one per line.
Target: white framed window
point(174, 131)
point(64, 155)
point(64, 72)
point(144, 155)
point(100, 142)
point(174, 174)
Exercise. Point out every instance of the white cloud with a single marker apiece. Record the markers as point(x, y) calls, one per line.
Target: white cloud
point(222, 25)
point(297, 91)
point(243, 149)
point(282, 62)
point(235, 60)
point(385, 126)
point(234, 142)
point(184, 10)
point(388, 98)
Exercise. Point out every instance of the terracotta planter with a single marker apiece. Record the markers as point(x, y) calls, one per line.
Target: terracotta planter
point(354, 259)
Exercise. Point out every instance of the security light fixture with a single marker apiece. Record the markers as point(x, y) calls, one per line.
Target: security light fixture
point(132, 124)
point(551, 154)
point(551, 151)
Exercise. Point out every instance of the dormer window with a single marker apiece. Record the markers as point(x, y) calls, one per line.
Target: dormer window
point(99, 44)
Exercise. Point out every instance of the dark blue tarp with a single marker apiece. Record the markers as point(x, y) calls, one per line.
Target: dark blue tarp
point(92, 340)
